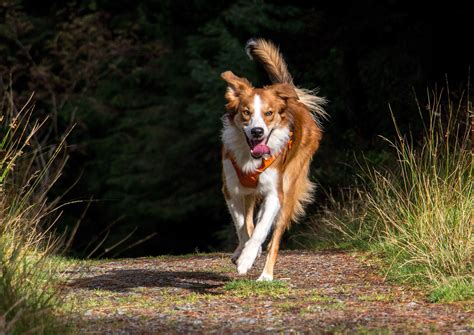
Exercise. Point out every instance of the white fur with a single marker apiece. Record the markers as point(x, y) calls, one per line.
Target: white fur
point(278, 139)
point(237, 211)
point(268, 183)
point(250, 43)
point(234, 141)
point(234, 187)
point(265, 277)
point(236, 205)
point(233, 138)
point(257, 119)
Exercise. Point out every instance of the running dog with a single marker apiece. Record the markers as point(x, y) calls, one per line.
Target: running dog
point(269, 136)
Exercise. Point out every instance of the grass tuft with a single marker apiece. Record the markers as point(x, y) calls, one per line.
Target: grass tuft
point(418, 215)
point(247, 288)
point(29, 277)
point(452, 290)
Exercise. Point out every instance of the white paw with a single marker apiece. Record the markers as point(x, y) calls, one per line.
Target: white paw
point(265, 277)
point(244, 264)
point(247, 258)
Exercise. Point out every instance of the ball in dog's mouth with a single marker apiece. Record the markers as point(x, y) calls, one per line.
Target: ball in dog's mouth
point(259, 148)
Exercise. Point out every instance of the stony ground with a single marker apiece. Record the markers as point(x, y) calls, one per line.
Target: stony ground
point(317, 292)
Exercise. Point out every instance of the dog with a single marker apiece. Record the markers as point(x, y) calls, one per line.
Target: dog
point(269, 137)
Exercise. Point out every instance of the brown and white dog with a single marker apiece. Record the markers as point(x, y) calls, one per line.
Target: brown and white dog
point(270, 135)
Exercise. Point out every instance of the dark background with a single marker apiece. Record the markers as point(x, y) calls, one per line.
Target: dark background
point(140, 79)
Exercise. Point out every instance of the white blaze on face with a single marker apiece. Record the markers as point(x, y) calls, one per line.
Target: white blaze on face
point(257, 119)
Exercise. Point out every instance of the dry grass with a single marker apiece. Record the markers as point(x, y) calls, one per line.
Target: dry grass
point(419, 214)
point(28, 295)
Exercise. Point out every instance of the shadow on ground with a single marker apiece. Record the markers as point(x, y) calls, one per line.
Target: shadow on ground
point(122, 280)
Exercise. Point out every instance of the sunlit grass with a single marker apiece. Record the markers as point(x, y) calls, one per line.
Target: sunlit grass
point(453, 289)
point(246, 288)
point(29, 278)
point(418, 215)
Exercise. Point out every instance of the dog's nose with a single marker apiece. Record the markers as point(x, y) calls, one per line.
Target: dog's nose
point(257, 132)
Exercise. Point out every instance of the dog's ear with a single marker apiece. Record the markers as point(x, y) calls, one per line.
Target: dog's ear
point(284, 91)
point(236, 88)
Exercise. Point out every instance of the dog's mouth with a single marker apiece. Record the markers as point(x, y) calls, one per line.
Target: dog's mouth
point(258, 147)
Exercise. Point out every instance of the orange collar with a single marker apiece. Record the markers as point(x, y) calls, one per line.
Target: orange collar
point(250, 180)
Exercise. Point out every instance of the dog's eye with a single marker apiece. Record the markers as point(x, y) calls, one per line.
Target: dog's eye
point(269, 113)
point(246, 112)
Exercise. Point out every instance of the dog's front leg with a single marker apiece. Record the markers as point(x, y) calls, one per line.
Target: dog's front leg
point(236, 205)
point(269, 210)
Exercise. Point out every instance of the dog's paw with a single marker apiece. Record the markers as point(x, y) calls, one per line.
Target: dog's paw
point(236, 255)
point(246, 259)
point(243, 266)
point(265, 277)
point(259, 253)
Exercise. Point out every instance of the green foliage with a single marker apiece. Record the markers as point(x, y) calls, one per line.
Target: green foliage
point(454, 289)
point(141, 81)
point(155, 129)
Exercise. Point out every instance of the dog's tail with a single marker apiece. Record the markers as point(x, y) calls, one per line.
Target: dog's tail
point(268, 54)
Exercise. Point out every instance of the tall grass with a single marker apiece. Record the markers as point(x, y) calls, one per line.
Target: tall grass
point(419, 214)
point(28, 276)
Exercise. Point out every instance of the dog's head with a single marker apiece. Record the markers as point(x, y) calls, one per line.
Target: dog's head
point(257, 111)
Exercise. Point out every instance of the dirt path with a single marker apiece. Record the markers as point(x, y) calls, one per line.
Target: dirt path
point(319, 292)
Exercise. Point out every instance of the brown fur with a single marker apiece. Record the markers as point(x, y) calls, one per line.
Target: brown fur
point(267, 54)
point(294, 187)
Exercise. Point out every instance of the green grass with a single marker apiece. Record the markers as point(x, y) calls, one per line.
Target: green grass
point(322, 301)
point(29, 277)
point(376, 297)
point(452, 290)
point(417, 215)
point(321, 298)
point(247, 288)
point(288, 306)
point(166, 300)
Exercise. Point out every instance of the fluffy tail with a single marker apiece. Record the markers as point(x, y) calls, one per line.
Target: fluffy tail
point(267, 53)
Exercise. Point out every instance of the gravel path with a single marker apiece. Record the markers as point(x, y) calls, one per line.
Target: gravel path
point(318, 292)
